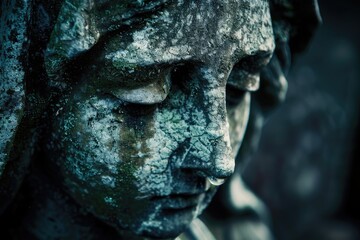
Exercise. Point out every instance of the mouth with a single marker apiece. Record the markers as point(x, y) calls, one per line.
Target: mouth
point(179, 201)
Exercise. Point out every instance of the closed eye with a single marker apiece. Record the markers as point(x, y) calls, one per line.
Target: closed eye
point(254, 63)
point(246, 73)
point(151, 94)
point(142, 101)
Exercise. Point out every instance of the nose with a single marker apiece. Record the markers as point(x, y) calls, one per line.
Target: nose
point(207, 150)
point(223, 163)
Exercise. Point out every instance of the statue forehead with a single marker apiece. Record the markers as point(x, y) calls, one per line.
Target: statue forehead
point(82, 23)
point(104, 16)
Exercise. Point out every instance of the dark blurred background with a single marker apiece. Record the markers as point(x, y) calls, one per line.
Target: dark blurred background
point(307, 168)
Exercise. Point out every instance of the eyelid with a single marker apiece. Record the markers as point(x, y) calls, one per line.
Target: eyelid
point(150, 94)
point(243, 80)
point(246, 73)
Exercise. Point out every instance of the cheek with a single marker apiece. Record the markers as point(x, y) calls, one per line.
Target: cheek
point(238, 117)
point(96, 158)
point(101, 147)
point(89, 138)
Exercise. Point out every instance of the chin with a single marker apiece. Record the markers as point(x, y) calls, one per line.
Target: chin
point(160, 234)
point(165, 225)
point(168, 230)
point(171, 223)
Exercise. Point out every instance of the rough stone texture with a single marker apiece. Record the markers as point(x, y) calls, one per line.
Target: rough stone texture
point(146, 117)
point(12, 97)
point(148, 106)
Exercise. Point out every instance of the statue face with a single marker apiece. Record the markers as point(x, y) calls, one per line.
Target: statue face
point(158, 110)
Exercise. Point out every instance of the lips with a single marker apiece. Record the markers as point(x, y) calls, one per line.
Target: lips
point(179, 201)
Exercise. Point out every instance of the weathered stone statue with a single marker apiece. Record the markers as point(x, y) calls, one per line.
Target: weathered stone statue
point(119, 119)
